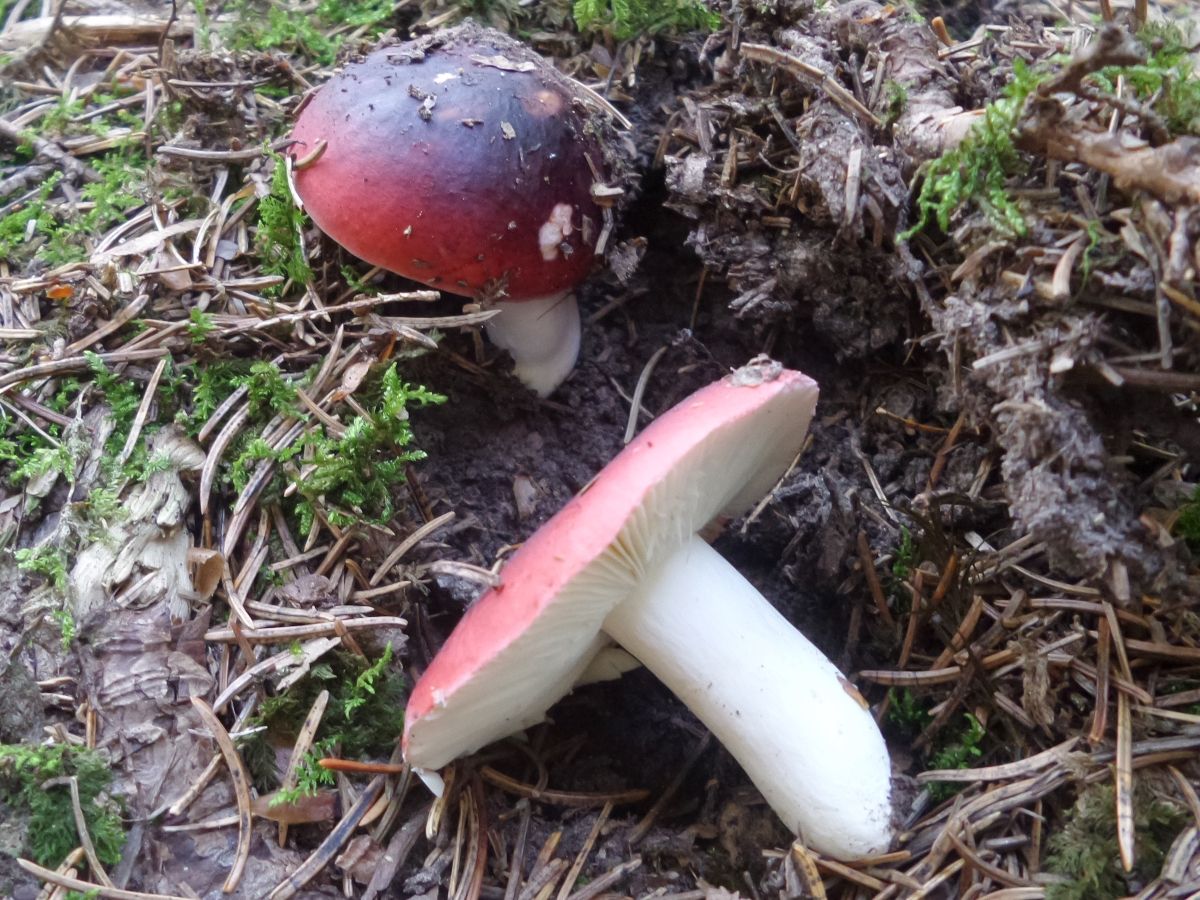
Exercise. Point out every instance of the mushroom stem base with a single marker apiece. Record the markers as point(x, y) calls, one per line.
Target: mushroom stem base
point(797, 726)
point(542, 336)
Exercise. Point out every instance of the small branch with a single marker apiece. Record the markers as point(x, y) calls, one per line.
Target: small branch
point(1170, 172)
point(48, 150)
point(244, 155)
point(813, 76)
point(85, 839)
point(96, 890)
point(75, 364)
point(1113, 46)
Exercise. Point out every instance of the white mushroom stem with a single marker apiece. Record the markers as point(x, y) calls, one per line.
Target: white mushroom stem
point(797, 726)
point(542, 335)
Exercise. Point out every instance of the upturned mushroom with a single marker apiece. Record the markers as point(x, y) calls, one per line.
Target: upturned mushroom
point(466, 162)
point(623, 561)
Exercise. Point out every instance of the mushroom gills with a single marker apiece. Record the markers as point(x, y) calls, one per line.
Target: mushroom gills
point(796, 725)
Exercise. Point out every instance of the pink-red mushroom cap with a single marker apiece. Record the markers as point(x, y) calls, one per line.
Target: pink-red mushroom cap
point(614, 562)
point(463, 161)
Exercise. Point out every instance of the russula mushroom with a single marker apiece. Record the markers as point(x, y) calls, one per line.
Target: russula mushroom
point(466, 162)
point(623, 561)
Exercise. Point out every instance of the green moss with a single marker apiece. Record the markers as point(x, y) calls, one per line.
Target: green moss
point(359, 470)
point(906, 711)
point(58, 120)
point(352, 473)
point(1167, 79)
point(46, 560)
point(200, 326)
point(364, 718)
point(976, 171)
point(280, 221)
point(356, 284)
point(122, 395)
point(956, 751)
point(629, 18)
point(269, 392)
point(1096, 236)
point(24, 773)
point(209, 385)
point(905, 556)
point(959, 751)
point(121, 188)
point(59, 236)
point(904, 559)
point(897, 101)
point(1187, 524)
point(203, 32)
point(1084, 847)
point(19, 228)
point(104, 505)
point(316, 35)
point(250, 453)
point(40, 459)
point(66, 626)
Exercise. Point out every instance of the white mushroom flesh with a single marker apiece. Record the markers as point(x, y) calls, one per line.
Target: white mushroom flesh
point(542, 336)
point(782, 709)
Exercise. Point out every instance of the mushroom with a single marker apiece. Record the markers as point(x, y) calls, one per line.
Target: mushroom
point(623, 561)
point(466, 162)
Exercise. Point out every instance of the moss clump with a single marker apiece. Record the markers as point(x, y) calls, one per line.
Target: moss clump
point(30, 221)
point(317, 35)
point(351, 474)
point(630, 18)
point(24, 773)
point(1167, 78)
point(279, 225)
point(364, 718)
point(976, 171)
point(897, 102)
point(1084, 848)
point(57, 234)
point(959, 750)
point(1187, 523)
point(361, 467)
point(50, 562)
point(906, 711)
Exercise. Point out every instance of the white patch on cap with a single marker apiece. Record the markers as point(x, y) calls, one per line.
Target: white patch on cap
point(554, 231)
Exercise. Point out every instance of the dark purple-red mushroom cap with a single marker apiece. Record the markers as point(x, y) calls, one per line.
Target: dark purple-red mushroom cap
point(466, 162)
